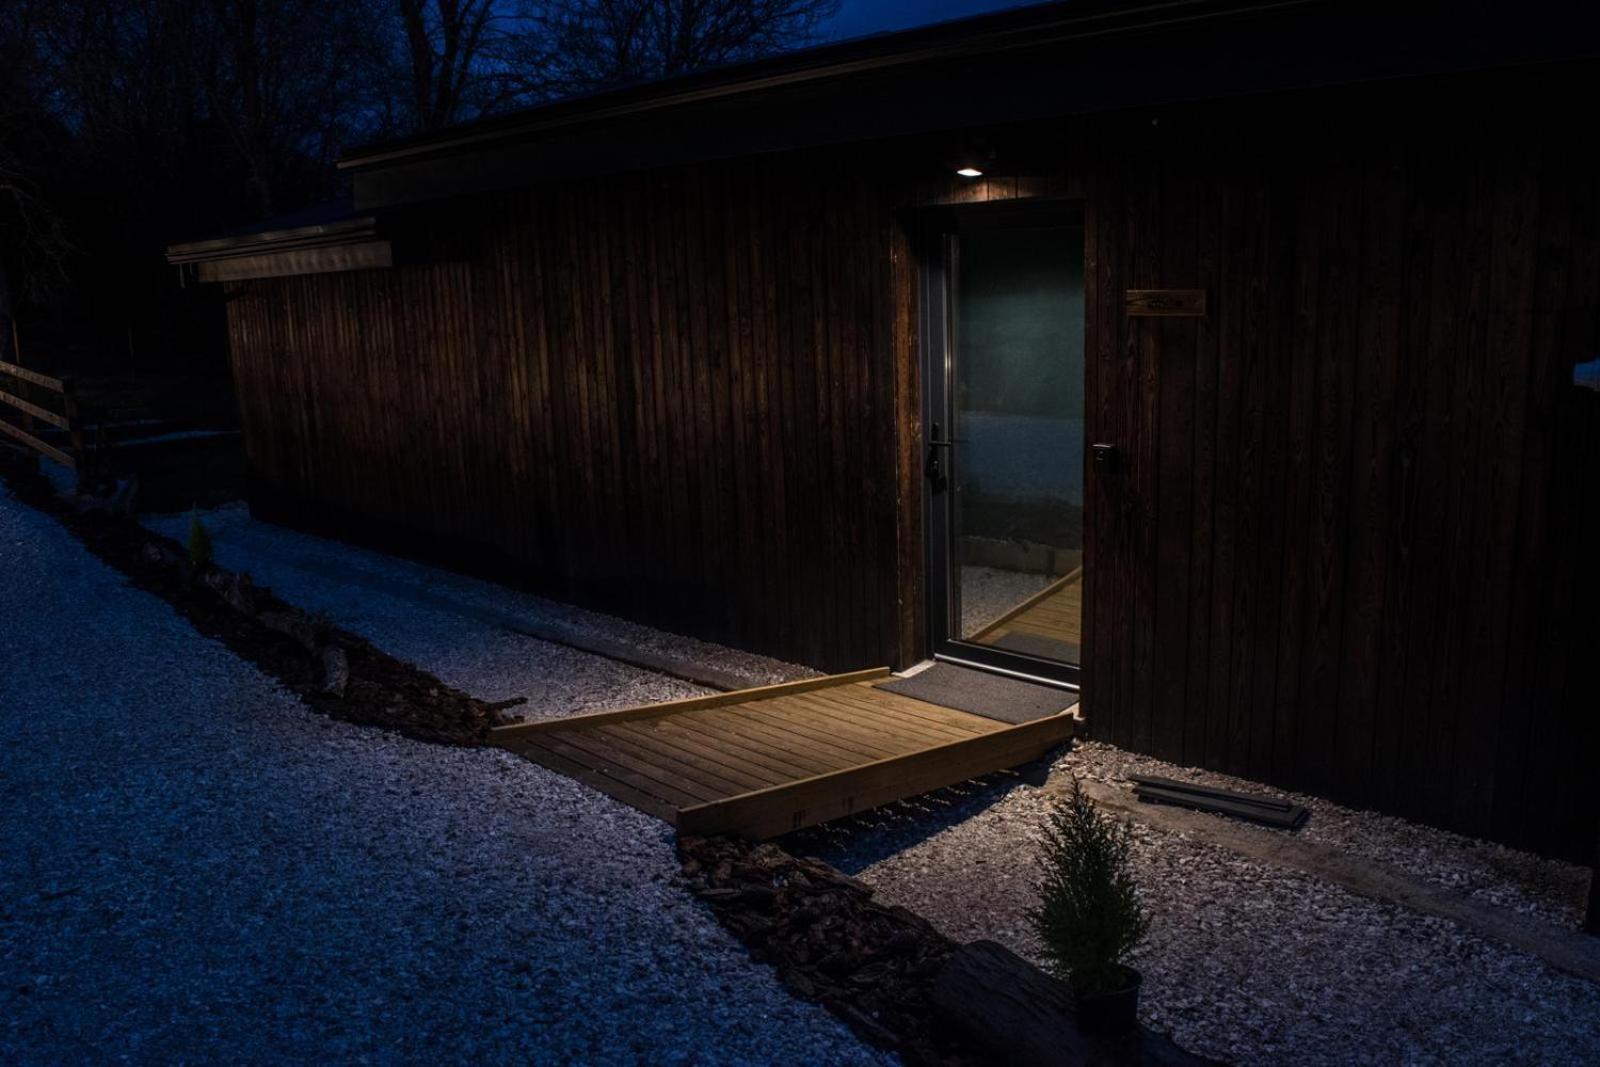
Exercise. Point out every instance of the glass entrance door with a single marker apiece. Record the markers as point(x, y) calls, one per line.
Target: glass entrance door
point(1006, 440)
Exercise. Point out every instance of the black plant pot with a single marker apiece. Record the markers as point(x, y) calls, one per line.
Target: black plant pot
point(1114, 1008)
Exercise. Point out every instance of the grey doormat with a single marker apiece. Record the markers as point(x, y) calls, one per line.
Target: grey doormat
point(994, 696)
point(1037, 645)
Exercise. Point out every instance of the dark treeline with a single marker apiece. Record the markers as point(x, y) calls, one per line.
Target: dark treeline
point(126, 125)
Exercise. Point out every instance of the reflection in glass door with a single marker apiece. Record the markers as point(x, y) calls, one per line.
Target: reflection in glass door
point(1006, 460)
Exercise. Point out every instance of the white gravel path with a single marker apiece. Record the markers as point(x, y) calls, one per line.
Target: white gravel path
point(1254, 963)
point(454, 626)
point(196, 868)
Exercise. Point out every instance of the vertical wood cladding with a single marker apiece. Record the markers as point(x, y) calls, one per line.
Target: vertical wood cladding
point(675, 396)
point(1352, 544)
point(1353, 547)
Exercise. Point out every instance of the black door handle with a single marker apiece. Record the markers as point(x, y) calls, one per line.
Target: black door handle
point(934, 468)
point(1106, 457)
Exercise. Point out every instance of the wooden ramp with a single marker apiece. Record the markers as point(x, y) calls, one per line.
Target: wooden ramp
point(1055, 613)
point(762, 762)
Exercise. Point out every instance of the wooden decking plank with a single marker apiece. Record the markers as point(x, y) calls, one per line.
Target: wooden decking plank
point(744, 775)
point(735, 746)
point(726, 782)
point(803, 746)
point(869, 720)
point(814, 745)
point(645, 802)
point(806, 713)
point(790, 807)
point(871, 740)
point(786, 746)
point(605, 753)
point(900, 706)
point(750, 732)
point(795, 719)
point(644, 781)
point(880, 723)
point(898, 734)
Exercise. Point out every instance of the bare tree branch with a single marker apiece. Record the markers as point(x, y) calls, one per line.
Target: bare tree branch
point(595, 43)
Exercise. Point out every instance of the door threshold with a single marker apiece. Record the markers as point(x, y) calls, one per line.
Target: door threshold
point(1053, 683)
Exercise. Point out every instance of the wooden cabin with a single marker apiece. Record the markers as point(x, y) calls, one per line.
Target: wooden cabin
point(1232, 361)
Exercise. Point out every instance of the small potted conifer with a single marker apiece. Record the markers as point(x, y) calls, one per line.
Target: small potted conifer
point(1089, 916)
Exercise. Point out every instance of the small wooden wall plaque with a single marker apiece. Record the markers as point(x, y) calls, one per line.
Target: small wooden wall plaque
point(1166, 302)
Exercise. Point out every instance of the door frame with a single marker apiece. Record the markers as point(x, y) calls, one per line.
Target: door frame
point(938, 231)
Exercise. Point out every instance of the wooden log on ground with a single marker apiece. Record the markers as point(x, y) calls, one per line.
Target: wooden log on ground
point(1017, 1014)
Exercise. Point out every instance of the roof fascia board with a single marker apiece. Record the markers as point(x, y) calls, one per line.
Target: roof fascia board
point(346, 231)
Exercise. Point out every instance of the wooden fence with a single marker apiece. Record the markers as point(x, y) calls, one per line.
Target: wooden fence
point(20, 390)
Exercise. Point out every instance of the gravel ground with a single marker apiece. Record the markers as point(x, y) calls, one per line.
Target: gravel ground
point(1254, 963)
point(448, 624)
point(1545, 890)
point(196, 868)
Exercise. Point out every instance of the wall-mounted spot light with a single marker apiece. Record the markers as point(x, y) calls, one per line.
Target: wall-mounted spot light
point(969, 172)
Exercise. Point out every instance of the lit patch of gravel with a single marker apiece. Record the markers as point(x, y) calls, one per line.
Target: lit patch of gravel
point(1548, 890)
point(1247, 962)
point(196, 868)
point(455, 626)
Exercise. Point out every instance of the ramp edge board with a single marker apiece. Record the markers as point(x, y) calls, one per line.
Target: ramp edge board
point(715, 700)
point(781, 809)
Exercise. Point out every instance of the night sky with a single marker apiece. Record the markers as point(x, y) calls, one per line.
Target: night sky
point(857, 17)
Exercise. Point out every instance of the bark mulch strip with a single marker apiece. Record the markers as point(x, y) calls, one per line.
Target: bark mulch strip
point(872, 965)
point(334, 671)
point(889, 974)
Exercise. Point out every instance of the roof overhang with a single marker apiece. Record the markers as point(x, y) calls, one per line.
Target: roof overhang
point(969, 38)
point(347, 244)
point(1038, 63)
point(1023, 66)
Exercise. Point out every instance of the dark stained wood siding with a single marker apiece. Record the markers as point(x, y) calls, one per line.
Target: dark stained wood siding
point(1353, 547)
point(676, 396)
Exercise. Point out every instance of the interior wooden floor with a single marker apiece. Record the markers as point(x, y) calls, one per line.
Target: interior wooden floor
point(1055, 612)
point(763, 762)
